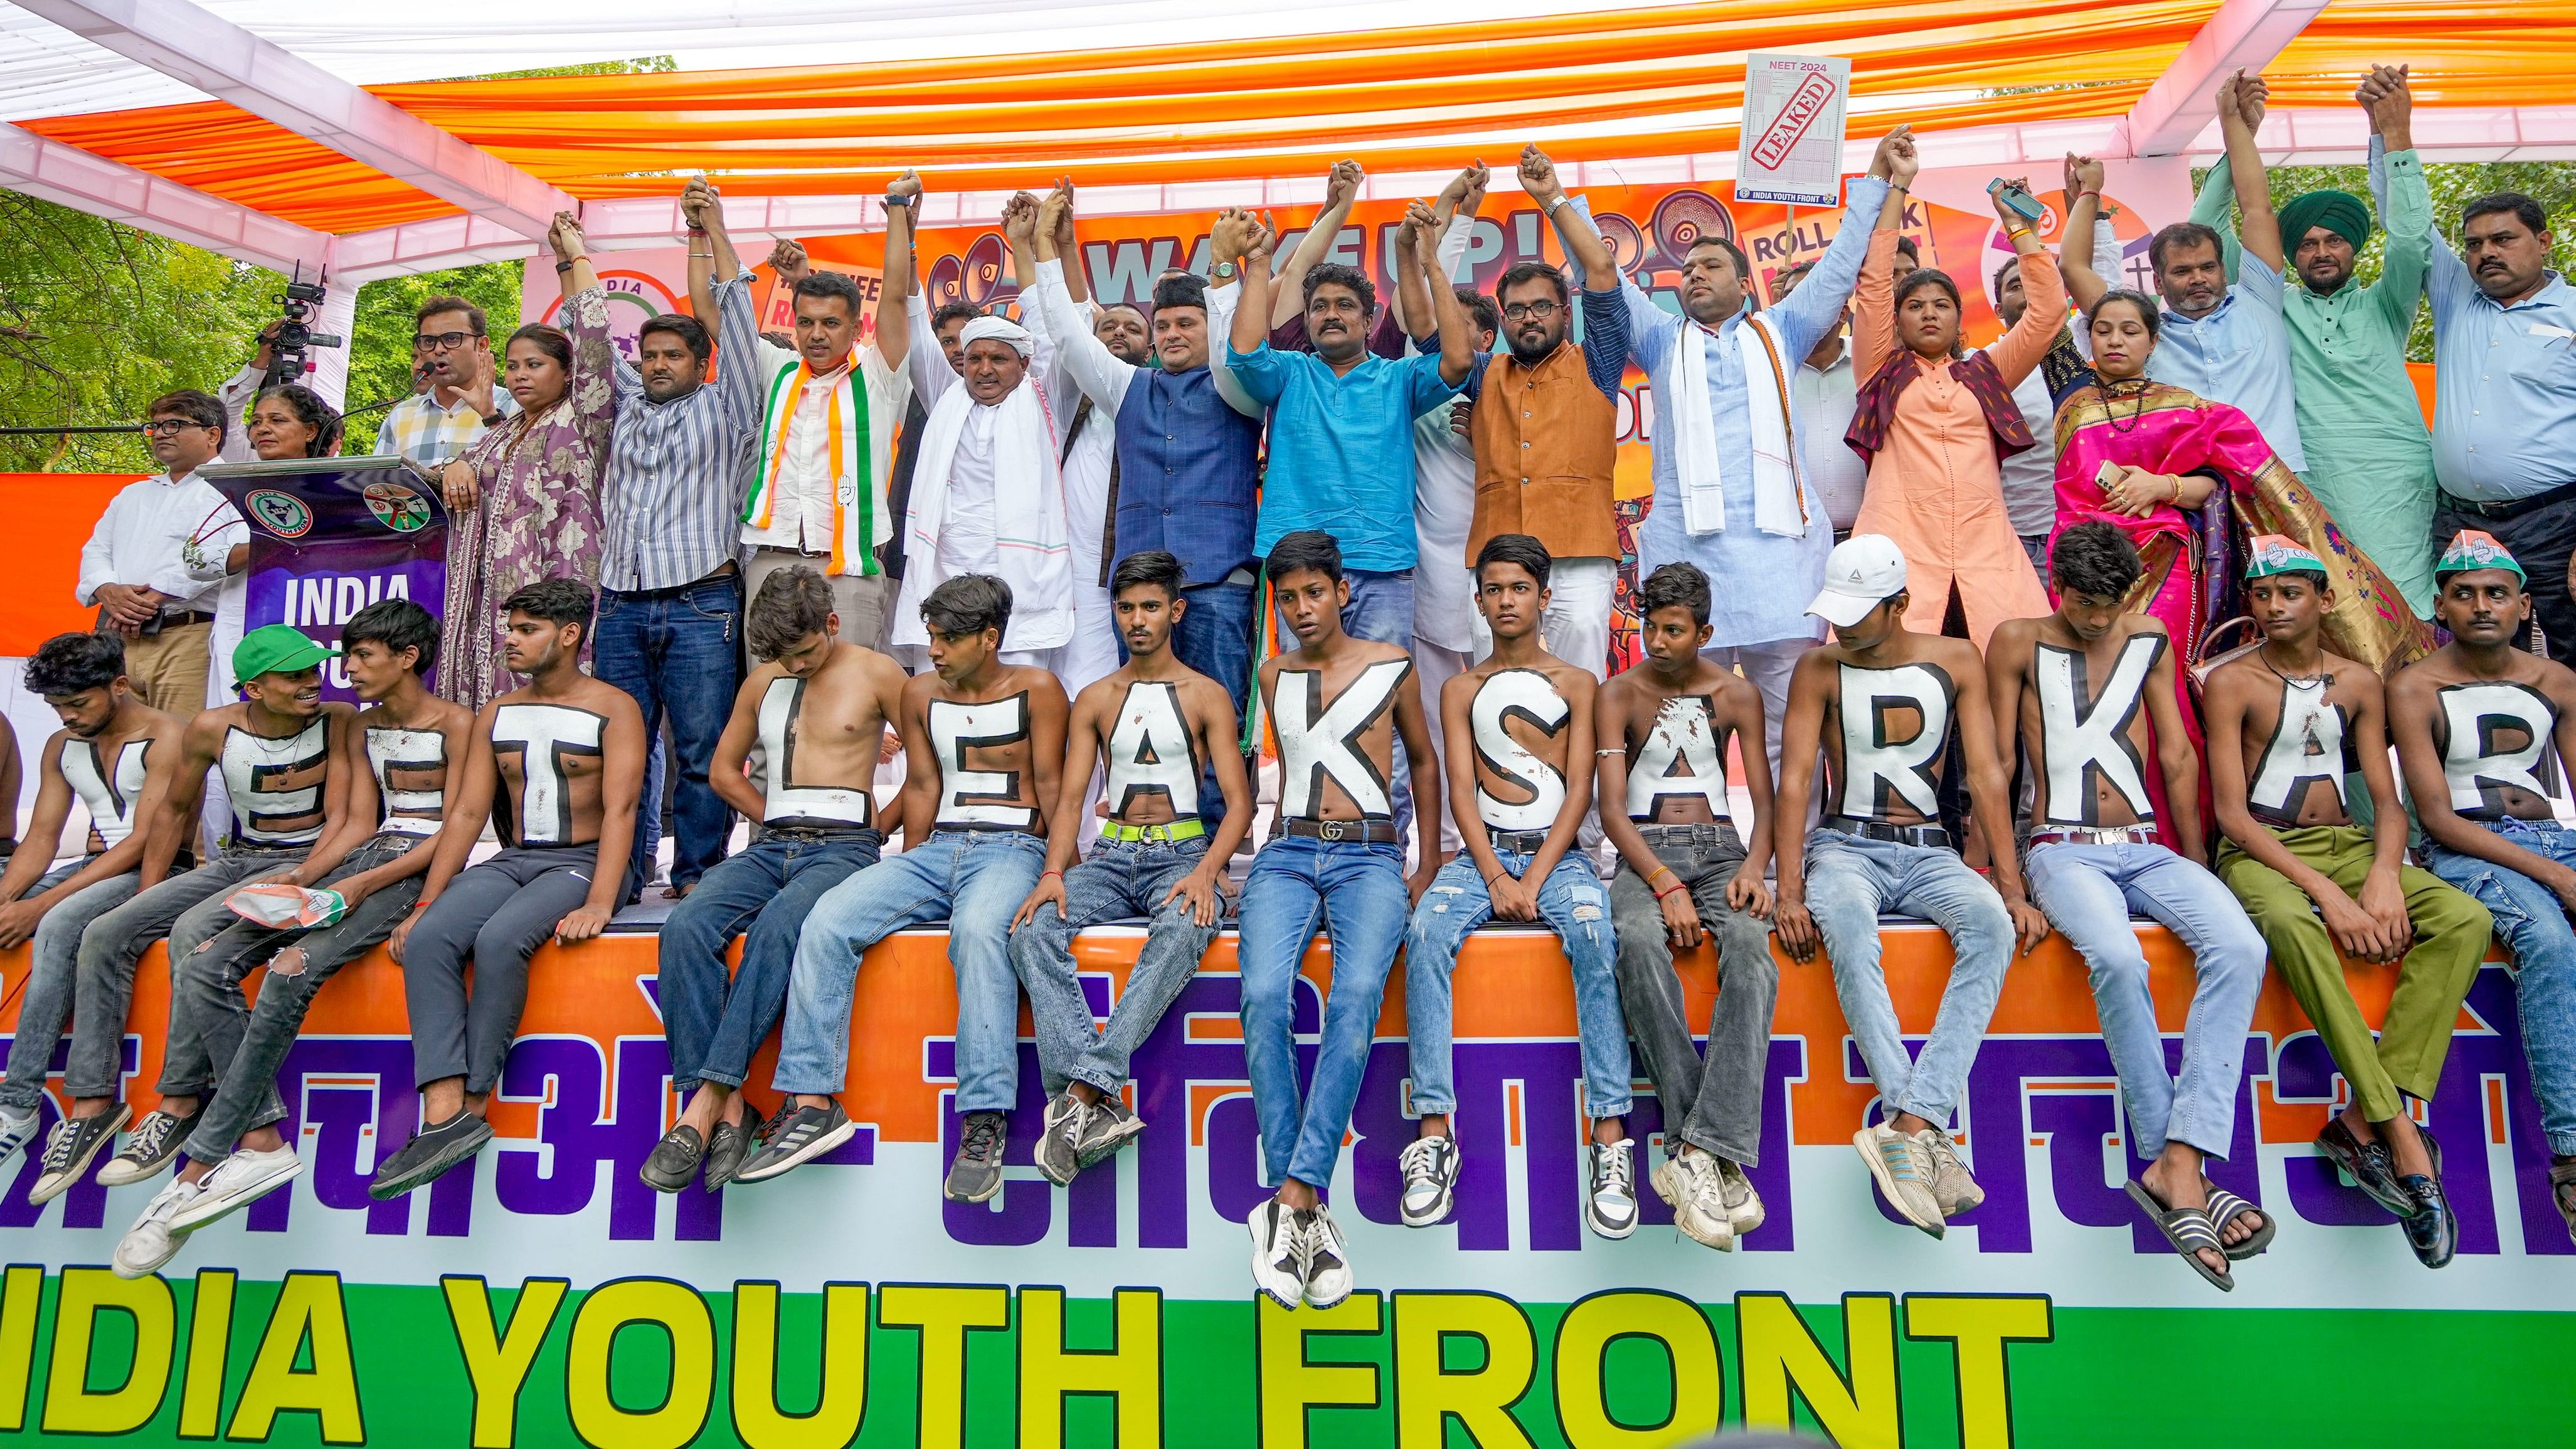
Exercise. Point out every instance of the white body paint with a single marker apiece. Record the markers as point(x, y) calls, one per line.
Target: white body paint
point(2470, 715)
point(1903, 767)
point(979, 799)
point(112, 793)
point(780, 707)
point(1526, 694)
point(2287, 766)
point(543, 736)
point(1678, 757)
point(2081, 740)
point(408, 812)
point(1319, 742)
point(249, 761)
point(1150, 751)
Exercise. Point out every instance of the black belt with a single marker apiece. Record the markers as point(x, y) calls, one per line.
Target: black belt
point(2511, 507)
point(1362, 832)
point(1524, 842)
point(184, 617)
point(798, 552)
point(816, 830)
point(725, 573)
point(1925, 835)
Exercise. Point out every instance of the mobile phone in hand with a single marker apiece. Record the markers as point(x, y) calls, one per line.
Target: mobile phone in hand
point(2019, 200)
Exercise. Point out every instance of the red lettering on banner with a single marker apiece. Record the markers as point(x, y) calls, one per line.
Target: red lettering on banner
point(1806, 103)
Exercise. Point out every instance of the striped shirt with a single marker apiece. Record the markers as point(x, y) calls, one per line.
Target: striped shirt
point(677, 470)
point(419, 429)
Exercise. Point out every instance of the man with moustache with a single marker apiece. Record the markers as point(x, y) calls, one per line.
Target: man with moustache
point(451, 352)
point(136, 567)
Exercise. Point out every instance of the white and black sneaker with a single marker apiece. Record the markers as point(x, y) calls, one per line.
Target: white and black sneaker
point(797, 1137)
point(1278, 1252)
point(1057, 1157)
point(157, 1142)
point(237, 1182)
point(1430, 1166)
point(975, 1174)
point(74, 1144)
point(1328, 1258)
point(1109, 1127)
point(1610, 1188)
point(17, 1132)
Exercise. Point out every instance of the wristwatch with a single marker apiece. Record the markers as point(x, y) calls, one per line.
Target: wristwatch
point(893, 200)
point(1223, 271)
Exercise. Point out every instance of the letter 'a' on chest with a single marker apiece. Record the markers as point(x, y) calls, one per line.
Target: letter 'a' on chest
point(1678, 757)
point(2087, 738)
point(1895, 725)
point(1151, 751)
point(973, 798)
point(2307, 745)
point(2496, 737)
point(1530, 697)
point(545, 740)
point(1319, 742)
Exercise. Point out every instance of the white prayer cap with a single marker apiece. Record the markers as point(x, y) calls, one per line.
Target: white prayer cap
point(996, 327)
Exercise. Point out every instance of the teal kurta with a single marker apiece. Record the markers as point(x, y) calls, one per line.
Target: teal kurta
point(2370, 458)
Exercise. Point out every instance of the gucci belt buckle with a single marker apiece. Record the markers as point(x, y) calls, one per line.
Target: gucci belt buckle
point(1328, 830)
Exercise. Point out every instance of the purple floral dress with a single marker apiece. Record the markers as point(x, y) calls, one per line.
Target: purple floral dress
point(538, 517)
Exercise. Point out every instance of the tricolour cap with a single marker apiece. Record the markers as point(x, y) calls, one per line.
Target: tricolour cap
point(1862, 572)
point(276, 649)
point(2473, 548)
point(2274, 554)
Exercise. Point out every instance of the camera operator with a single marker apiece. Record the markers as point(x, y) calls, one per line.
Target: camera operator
point(451, 358)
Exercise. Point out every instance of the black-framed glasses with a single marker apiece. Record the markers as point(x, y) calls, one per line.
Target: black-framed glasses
point(442, 341)
point(169, 427)
point(1523, 311)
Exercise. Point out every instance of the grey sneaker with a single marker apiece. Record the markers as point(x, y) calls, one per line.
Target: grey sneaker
point(156, 1143)
point(1328, 1259)
point(976, 1174)
point(1430, 1166)
point(155, 1237)
point(1278, 1252)
point(1902, 1168)
point(1057, 1156)
point(1610, 1189)
point(74, 1144)
point(796, 1136)
point(1952, 1187)
point(1678, 1178)
point(1109, 1127)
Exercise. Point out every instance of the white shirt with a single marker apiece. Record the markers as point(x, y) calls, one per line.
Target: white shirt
point(1826, 398)
point(2030, 476)
point(800, 513)
point(1444, 500)
point(969, 536)
point(139, 540)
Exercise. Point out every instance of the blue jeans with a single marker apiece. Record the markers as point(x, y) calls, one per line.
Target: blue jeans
point(674, 650)
point(1358, 891)
point(1381, 609)
point(972, 879)
point(2533, 926)
point(1850, 881)
point(1122, 880)
point(763, 895)
point(2088, 892)
point(1575, 906)
point(53, 968)
point(1214, 637)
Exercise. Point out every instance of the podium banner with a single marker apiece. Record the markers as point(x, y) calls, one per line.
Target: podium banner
point(329, 536)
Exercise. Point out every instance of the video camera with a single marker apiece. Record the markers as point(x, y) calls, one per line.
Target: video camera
point(295, 336)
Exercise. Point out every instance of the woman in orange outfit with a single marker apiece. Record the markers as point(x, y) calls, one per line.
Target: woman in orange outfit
point(1934, 423)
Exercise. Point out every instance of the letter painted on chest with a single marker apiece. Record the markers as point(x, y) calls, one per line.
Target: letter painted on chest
point(970, 797)
point(782, 710)
point(546, 738)
point(2084, 744)
point(2306, 746)
point(1317, 742)
point(276, 783)
point(1879, 771)
point(1150, 750)
point(1528, 696)
point(111, 793)
point(410, 767)
point(2478, 768)
point(1679, 756)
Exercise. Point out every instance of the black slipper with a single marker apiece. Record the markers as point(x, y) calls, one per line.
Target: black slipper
point(2189, 1231)
point(2562, 1177)
point(2224, 1207)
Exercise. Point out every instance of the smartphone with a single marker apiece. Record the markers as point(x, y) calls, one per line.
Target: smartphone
point(2016, 198)
point(2106, 475)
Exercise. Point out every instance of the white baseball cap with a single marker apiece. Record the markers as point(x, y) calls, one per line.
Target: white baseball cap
point(1862, 571)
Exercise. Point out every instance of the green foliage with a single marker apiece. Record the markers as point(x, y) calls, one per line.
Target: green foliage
point(97, 319)
point(380, 345)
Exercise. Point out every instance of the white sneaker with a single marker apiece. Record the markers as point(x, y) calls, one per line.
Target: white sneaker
point(1278, 1252)
point(1610, 1188)
point(1735, 1191)
point(16, 1132)
point(1952, 1187)
point(237, 1182)
point(1678, 1178)
point(155, 1238)
point(1328, 1259)
point(1430, 1166)
point(1902, 1168)
point(1698, 1212)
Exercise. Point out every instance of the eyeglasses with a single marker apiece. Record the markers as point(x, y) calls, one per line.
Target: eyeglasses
point(169, 427)
point(442, 341)
point(1523, 311)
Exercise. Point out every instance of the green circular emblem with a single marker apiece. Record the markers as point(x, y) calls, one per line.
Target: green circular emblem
point(282, 514)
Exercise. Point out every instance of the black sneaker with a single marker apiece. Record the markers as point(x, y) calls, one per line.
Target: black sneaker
point(797, 1136)
point(155, 1144)
point(74, 1145)
point(1057, 1158)
point(428, 1156)
point(726, 1149)
point(675, 1159)
point(1109, 1127)
point(976, 1174)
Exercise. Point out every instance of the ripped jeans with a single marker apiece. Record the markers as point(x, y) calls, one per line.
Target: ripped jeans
point(2533, 926)
point(1573, 904)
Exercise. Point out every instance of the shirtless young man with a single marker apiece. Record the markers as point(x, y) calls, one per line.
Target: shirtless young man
point(2286, 723)
point(986, 743)
point(1339, 705)
point(1519, 728)
point(1685, 875)
point(289, 792)
point(568, 750)
point(2485, 732)
point(1881, 700)
point(407, 752)
point(117, 755)
point(2087, 693)
point(817, 708)
point(1159, 726)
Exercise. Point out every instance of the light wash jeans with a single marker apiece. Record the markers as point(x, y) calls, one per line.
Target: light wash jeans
point(1381, 609)
point(1358, 893)
point(1122, 880)
point(2088, 892)
point(715, 1018)
point(974, 880)
point(1575, 906)
point(53, 960)
point(1850, 881)
point(2533, 926)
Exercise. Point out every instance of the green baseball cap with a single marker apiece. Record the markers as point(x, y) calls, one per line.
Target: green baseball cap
point(276, 649)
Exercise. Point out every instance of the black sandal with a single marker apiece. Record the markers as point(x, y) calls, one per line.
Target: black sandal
point(2225, 1207)
point(2189, 1231)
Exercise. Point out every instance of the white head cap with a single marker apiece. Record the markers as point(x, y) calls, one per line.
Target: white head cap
point(1862, 571)
point(998, 327)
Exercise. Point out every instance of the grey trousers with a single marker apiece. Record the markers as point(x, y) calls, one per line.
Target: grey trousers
point(1714, 1105)
point(498, 913)
point(53, 964)
point(246, 1044)
point(189, 910)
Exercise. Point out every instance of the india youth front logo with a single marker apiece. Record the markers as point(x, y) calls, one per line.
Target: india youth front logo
point(282, 514)
point(397, 507)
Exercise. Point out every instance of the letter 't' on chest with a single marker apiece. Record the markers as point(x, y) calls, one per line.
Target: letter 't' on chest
point(544, 740)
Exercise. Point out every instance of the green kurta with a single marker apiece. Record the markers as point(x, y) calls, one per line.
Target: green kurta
point(2370, 458)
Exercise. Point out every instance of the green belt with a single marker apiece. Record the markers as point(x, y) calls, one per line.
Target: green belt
point(1116, 833)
